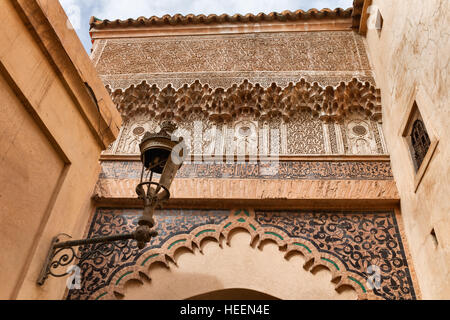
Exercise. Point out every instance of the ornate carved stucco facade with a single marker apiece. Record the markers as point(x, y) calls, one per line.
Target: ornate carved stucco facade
point(283, 120)
point(316, 88)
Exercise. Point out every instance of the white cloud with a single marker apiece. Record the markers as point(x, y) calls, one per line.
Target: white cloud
point(122, 9)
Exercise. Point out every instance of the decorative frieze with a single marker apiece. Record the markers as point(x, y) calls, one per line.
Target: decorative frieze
point(275, 52)
point(220, 80)
point(222, 60)
point(309, 170)
point(268, 180)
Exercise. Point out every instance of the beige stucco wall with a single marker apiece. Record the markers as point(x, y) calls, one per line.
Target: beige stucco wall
point(410, 58)
point(51, 136)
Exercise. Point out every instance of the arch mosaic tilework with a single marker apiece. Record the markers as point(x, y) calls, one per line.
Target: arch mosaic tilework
point(346, 242)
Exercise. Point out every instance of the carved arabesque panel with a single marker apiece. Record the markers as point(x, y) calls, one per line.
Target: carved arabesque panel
point(278, 51)
point(305, 135)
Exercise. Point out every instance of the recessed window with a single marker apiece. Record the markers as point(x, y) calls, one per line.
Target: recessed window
point(418, 138)
point(434, 237)
point(379, 21)
point(421, 142)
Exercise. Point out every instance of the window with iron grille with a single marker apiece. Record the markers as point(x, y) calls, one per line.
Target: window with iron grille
point(420, 141)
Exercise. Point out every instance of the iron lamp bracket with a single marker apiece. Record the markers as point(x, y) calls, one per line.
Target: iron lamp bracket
point(63, 253)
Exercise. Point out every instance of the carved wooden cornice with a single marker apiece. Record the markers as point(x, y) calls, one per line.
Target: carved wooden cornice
point(357, 12)
point(250, 101)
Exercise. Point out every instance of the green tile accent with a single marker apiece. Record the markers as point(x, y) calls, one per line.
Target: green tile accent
point(253, 227)
point(174, 243)
point(227, 225)
point(360, 284)
point(241, 220)
point(302, 245)
point(207, 230)
point(104, 293)
point(245, 212)
point(332, 262)
point(148, 258)
point(123, 276)
point(274, 234)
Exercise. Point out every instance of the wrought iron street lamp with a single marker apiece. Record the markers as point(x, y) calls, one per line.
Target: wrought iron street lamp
point(161, 154)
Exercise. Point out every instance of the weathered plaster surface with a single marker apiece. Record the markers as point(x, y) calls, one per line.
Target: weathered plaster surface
point(411, 62)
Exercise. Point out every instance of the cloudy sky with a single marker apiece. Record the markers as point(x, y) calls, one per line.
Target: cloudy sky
point(79, 11)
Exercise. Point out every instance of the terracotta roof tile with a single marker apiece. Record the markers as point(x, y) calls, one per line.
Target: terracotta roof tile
point(179, 19)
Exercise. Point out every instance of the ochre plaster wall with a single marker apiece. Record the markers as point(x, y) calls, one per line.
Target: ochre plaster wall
point(49, 143)
point(410, 57)
point(31, 168)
